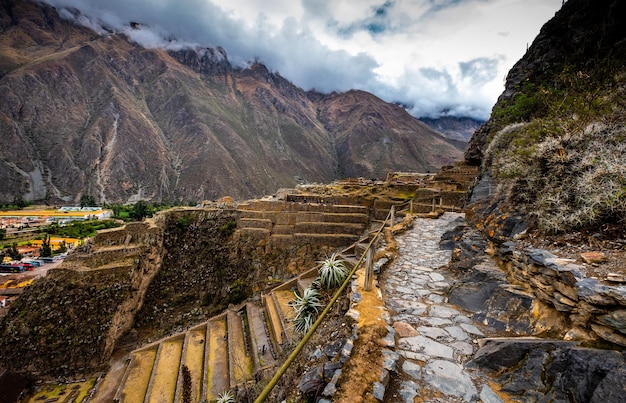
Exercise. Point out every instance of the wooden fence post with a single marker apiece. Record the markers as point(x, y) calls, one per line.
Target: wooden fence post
point(369, 270)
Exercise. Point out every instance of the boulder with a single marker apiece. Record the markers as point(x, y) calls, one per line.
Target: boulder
point(593, 257)
point(554, 370)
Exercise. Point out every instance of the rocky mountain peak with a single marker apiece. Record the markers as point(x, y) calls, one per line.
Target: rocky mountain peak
point(98, 114)
point(207, 61)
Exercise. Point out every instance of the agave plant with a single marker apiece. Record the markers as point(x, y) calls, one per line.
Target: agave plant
point(226, 397)
point(317, 283)
point(333, 272)
point(306, 307)
point(302, 323)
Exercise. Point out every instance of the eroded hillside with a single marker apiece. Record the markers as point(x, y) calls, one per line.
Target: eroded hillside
point(85, 113)
point(148, 279)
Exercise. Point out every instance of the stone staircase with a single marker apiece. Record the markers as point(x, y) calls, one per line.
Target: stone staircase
point(229, 350)
point(220, 354)
point(299, 223)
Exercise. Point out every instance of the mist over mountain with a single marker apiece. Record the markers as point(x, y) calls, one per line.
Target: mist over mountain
point(92, 112)
point(455, 128)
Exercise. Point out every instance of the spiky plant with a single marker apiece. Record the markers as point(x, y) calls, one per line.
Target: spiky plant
point(317, 283)
point(306, 308)
point(302, 323)
point(226, 397)
point(333, 272)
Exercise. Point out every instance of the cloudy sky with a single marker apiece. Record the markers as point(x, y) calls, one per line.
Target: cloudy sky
point(434, 56)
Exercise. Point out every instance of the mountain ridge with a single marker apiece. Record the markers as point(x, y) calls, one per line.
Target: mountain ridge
point(84, 113)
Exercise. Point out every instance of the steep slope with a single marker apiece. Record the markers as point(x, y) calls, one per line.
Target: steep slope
point(555, 144)
point(455, 128)
point(373, 137)
point(83, 113)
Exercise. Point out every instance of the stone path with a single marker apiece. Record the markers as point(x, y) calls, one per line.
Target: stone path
point(433, 338)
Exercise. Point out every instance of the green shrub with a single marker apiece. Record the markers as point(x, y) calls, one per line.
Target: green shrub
point(229, 227)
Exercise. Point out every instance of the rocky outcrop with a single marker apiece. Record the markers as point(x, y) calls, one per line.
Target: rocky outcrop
point(581, 34)
point(69, 321)
point(532, 291)
point(528, 291)
point(552, 370)
point(538, 191)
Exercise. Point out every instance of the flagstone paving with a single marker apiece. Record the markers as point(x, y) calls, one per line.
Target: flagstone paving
point(433, 338)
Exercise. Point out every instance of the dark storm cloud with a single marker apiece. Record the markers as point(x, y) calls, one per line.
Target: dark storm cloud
point(323, 44)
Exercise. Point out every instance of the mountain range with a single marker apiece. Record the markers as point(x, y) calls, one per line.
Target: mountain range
point(84, 113)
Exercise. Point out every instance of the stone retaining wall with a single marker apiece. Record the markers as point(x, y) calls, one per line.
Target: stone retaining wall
point(594, 309)
point(265, 205)
point(448, 198)
point(144, 232)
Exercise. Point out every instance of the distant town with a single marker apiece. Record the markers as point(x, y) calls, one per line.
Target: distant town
point(29, 249)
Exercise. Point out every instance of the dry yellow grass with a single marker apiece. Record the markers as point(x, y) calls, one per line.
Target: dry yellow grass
point(194, 360)
point(139, 376)
point(275, 321)
point(164, 385)
point(283, 297)
point(76, 390)
point(242, 364)
point(218, 359)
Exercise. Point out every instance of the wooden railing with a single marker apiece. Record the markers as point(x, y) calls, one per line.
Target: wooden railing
point(281, 371)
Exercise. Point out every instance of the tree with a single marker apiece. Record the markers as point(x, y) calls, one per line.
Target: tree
point(45, 250)
point(3, 234)
point(87, 200)
point(12, 251)
point(141, 209)
point(20, 202)
point(62, 247)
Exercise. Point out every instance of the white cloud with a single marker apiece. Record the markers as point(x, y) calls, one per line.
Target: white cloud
point(437, 56)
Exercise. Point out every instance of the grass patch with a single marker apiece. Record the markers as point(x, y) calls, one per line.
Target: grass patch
point(558, 148)
point(78, 390)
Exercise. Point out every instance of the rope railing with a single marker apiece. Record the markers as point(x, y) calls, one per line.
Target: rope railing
point(294, 354)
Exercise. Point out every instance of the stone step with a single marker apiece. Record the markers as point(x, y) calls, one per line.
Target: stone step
point(330, 240)
point(218, 379)
point(164, 378)
point(311, 227)
point(181, 365)
point(349, 218)
point(239, 359)
point(255, 223)
point(194, 359)
point(275, 321)
point(283, 229)
point(261, 347)
point(256, 232)
point(136, 379)
point(282, 298)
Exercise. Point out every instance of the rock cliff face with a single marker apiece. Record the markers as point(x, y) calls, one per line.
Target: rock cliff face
point(551, 190)
point(556, 134)
point(82, 113)
point(148, 279)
